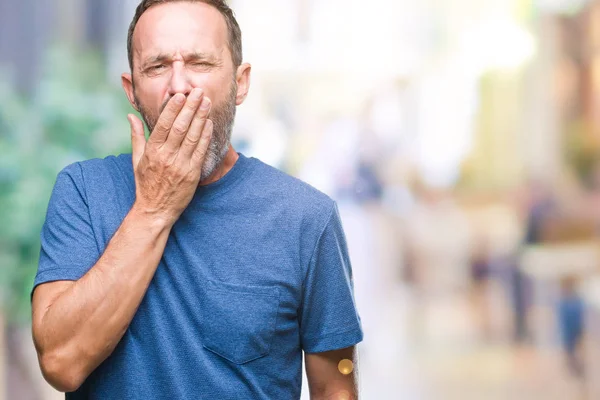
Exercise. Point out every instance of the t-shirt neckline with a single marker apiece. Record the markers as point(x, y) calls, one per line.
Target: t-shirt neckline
point(223, 185)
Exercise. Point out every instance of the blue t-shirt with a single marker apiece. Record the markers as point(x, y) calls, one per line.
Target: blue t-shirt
point(255, 270)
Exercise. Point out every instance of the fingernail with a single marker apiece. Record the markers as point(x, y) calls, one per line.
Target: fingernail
point(179, 98)
point(205, 103)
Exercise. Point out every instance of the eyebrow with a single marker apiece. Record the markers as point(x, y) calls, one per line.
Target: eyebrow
point(195, 56)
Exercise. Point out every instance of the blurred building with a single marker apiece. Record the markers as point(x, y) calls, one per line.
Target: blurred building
point(29, 27)
point(24, 34)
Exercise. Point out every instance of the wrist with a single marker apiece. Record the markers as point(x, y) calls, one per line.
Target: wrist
point(149, 219)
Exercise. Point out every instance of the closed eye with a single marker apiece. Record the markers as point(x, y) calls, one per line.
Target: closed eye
point(155, 70)
point(202, 64)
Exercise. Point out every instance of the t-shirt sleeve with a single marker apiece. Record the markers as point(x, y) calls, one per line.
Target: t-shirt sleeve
point(68, 248)
point(329, 318)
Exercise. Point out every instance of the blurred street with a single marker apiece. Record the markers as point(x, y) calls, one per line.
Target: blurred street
point(455, 344)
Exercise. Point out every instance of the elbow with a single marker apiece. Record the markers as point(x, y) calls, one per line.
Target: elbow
point(60, 373)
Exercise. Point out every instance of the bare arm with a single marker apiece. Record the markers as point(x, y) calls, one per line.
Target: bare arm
point(77, 325)
point(326, 381)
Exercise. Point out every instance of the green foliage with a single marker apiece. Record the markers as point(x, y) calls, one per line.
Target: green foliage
point(75, 114)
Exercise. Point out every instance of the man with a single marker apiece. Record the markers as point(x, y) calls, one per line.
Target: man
point(186, 270)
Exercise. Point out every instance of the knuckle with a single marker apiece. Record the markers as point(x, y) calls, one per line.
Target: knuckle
point(191, 105)
point(178, 174)
point(201, 115)
point(192, 140)
point(205, 139)
point(161, 160)
point(161, 127)
point(201, 120)
point(179, 129)
point(189, 177)
point(197, 157)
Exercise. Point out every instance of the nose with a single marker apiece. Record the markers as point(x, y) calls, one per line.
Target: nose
point(180, 82)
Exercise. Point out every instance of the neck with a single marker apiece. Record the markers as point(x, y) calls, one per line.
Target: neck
point(228, 162)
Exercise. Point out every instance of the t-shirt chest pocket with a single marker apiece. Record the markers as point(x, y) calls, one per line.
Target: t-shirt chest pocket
point(238, 321)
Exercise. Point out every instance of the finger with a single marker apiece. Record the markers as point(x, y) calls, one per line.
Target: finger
point(182, 123)
point(138, 139)
point(163, 126)
point(191, 140)
point(200, 152)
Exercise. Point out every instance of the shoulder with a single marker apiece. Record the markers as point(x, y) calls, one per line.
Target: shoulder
point(107, 165)
point(99, 171)
point(290, 192)
point(94, 173)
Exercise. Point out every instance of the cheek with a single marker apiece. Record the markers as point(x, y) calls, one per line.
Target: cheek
point(152, 94)
point(215, 86)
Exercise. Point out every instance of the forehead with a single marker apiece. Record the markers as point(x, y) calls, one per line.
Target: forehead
point(180, 27)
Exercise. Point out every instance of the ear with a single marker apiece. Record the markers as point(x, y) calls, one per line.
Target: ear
point(127, 82)
point(242, 78)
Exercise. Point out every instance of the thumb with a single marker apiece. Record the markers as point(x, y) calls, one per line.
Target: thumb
point(138, 139)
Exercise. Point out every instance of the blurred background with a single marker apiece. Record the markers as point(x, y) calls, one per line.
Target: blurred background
point(461, 139)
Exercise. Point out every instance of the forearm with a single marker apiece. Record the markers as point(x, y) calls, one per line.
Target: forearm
point(333, 375)
point(83, 325)
point(336, 390)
